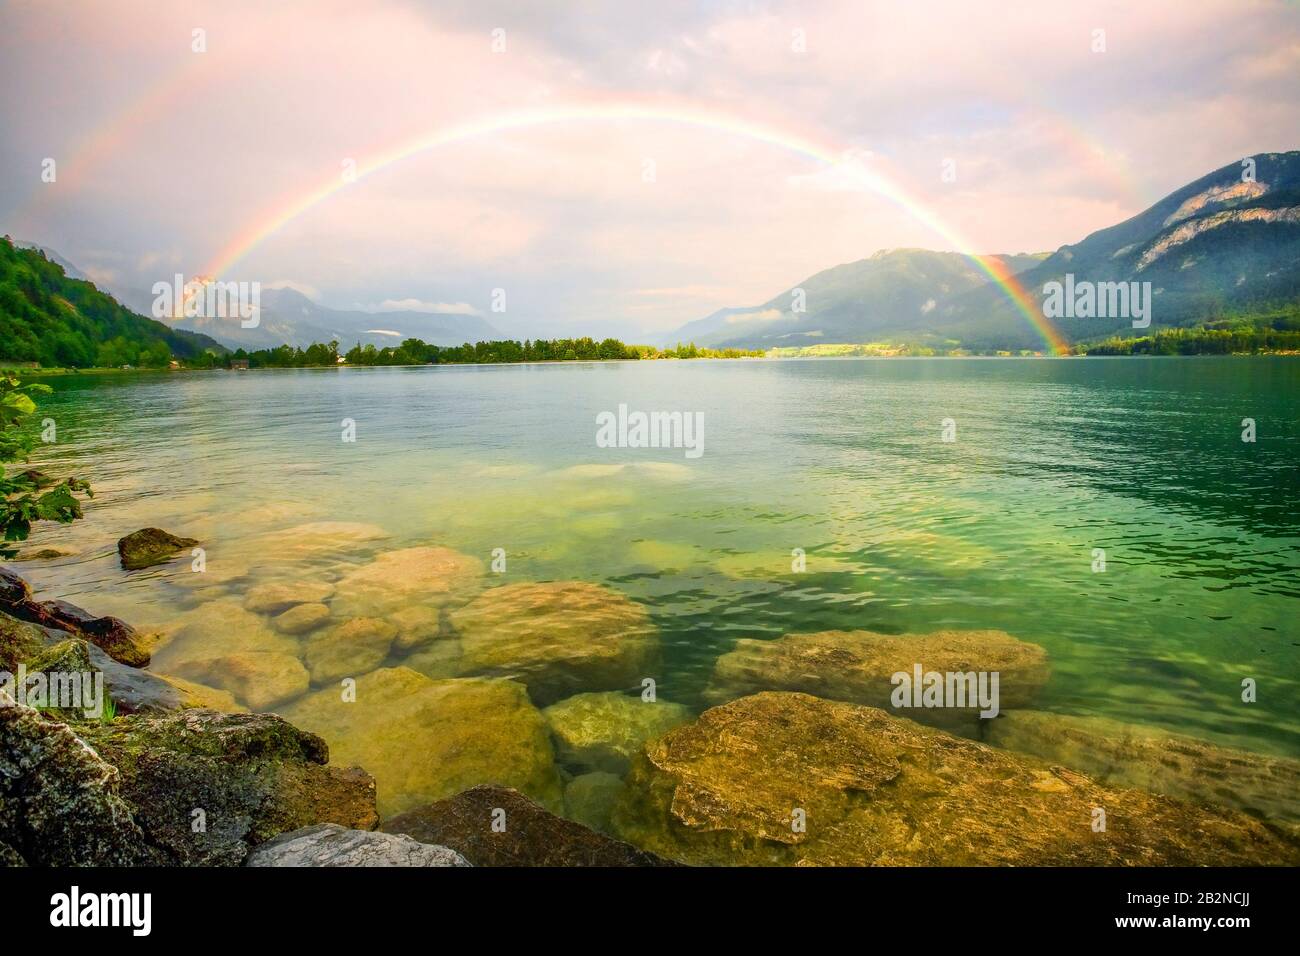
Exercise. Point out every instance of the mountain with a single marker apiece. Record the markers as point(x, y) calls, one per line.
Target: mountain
point(1225, 243)
point(289, 317)
point(48, 317)
point(895, 291)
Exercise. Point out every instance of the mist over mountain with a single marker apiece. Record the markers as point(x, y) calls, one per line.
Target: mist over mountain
point(1229, 241)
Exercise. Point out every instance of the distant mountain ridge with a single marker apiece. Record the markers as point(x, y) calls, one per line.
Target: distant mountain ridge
point(290, 318)
point(1224, 242)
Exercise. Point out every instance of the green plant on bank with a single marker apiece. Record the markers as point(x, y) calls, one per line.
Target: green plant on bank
point(28, 495)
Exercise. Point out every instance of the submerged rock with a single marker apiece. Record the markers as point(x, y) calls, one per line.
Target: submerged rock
point(59, 801)
point(425, 740)
point(497, 826)
point(150, 546)
point(1132, 755)
point(604, 731)
point(260, 679)
point(558, 638)
point(44, 554)
point(416, 625)
point(431, 576)
point(278, 596)
point(858, 666)
point(783, 778)
point(328, 844)
point(206, 787)
point(349, 649)
point(589, 798)
point(301, 619)
point(315, 539)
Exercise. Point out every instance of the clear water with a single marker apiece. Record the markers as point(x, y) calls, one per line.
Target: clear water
point(844, 459)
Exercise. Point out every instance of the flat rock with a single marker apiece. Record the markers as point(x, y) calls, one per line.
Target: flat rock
point(416, 625)
point(604, 731)
point(316, 539)
point(277, 596)
point(260, 679)
point(60, 803)
point(431, 576)
point(328, 844)
point(301, 618)
point(497, 826)
point(1148, 758)
point(425, 740)
point(349, 649)
point(857, 666)
point(250, 776)
point(874, 789)
point(558, 638)
point(150, 546)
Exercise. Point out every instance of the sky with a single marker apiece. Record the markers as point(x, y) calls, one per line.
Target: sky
point(664, 160)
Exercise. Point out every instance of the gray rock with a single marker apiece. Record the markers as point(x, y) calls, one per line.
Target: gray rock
point(329, 844)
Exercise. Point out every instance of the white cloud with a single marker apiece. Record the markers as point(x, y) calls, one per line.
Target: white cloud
point(419, 305)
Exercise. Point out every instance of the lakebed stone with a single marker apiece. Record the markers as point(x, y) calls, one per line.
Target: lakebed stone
point(350, 649)
point(498, 826)
point(301, 619)
point(858, 667)
point(1132, 755)
point(558, 638)
point(873, 789)
point(275, 597)
point(427, 739)
point(150, 546)
point(604, 731)
point(251, 776)
point(328, 844)
point(260, 679)
point(589, 798)
point(432, 576)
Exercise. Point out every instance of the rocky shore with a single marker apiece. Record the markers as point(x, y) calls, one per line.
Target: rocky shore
point(498, 727)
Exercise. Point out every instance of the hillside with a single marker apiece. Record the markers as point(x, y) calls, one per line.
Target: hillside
point(1216, 247)
point(49, 318)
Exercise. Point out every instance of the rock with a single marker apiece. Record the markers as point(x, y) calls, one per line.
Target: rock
point(328, 844)
point(137, 691)
point(1148, 758)
point(589, 798)
point(425, 740)
point(532, 836)
point(13, 589)
point(316, 539)
point(250, 777)
point(880, 790)
point(150, 546)
point(301, 618)
point(558, 638)
point(59, 801)
point(44, 554)
point(260, 679)
point(430, 576)
point(349, 649)
point(19, 641)
point(415, 625)
point(116, 637)
point(857, 666)
point(277, 596)
point(604, 731)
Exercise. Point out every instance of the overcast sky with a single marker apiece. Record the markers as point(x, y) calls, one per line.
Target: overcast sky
point(165, 155)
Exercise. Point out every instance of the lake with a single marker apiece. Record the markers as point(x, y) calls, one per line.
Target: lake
point(901, 531)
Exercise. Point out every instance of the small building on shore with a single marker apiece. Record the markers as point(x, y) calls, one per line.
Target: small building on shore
point(239, 365)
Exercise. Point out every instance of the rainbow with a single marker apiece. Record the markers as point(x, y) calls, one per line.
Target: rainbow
point(275, 218)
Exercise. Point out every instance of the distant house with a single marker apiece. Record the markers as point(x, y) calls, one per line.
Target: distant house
point(239, 364)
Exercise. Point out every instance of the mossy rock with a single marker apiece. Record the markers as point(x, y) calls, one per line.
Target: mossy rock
point(425, 740)
point(150, 546)
point(349, 649)
point(604, 731)
point(786, 778)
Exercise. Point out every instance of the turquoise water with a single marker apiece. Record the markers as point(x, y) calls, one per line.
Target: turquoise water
point(903, 532)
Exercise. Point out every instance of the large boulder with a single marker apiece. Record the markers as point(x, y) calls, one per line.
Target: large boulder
point(430, 576)
point(858, 667)
point(558, 638)
point(349, 649)
point(205, 787)
point(150, 546)
point(117, 638)
point(1133, 755)
point(605, 730)
point(784, 778)
point(497, 826)
point(425, 740)
point(60, 803)
point(328, 844)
